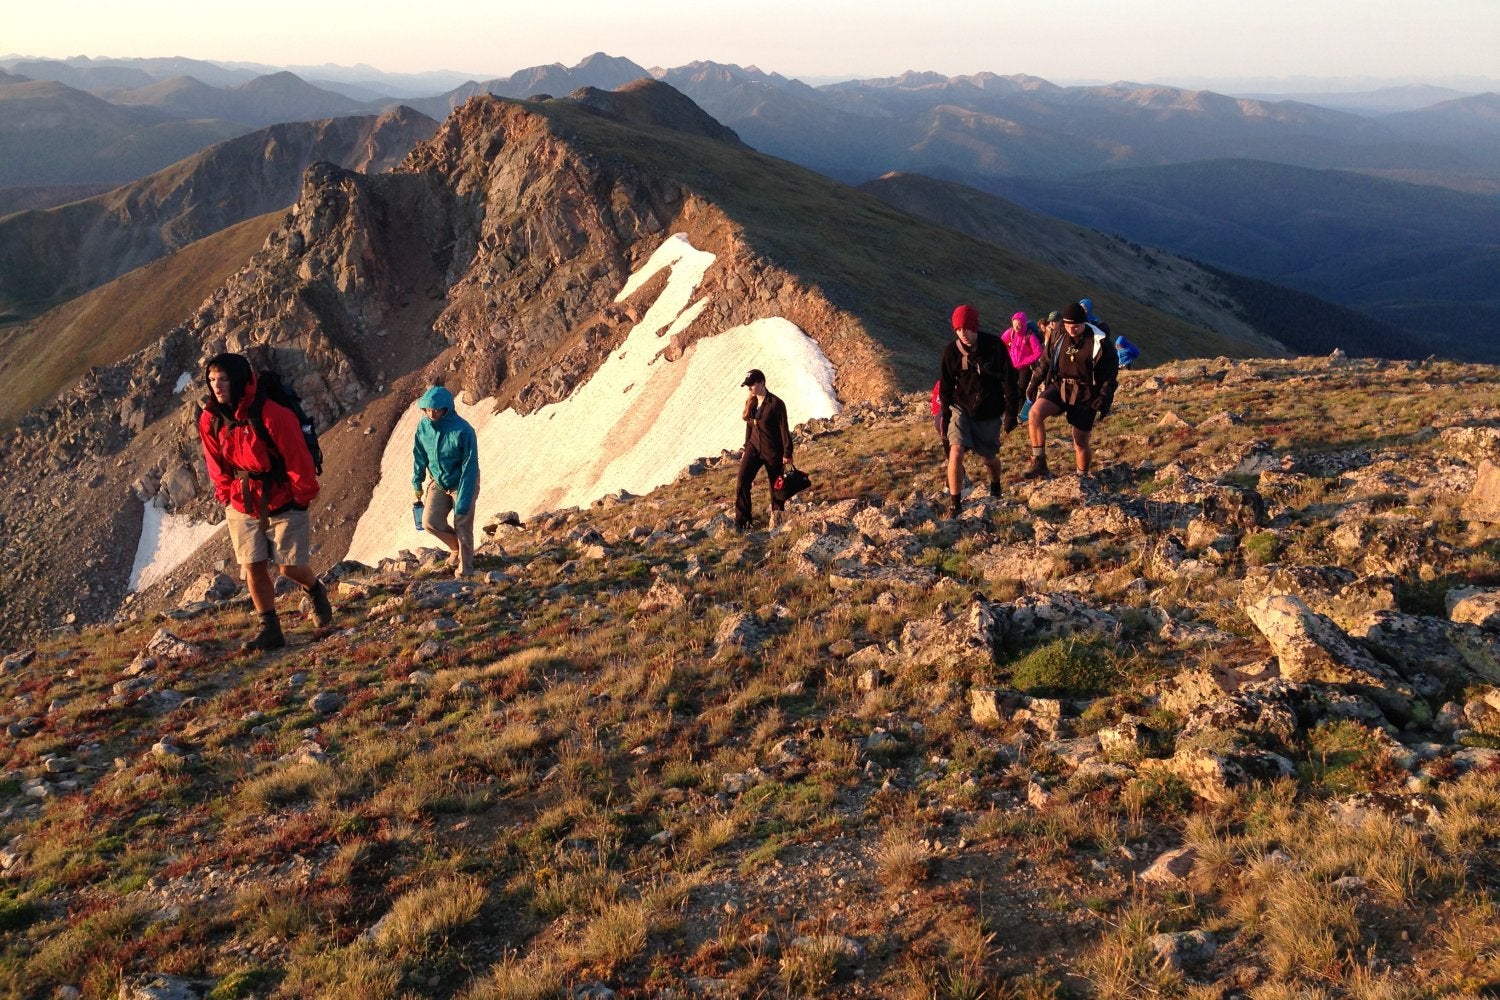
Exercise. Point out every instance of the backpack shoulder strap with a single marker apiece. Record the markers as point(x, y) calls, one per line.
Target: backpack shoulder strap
point(258, 422)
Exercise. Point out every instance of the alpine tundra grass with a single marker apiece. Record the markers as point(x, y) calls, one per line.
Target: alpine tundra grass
point(1043, 750)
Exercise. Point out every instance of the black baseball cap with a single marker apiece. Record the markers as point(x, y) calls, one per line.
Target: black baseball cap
point(753, 376)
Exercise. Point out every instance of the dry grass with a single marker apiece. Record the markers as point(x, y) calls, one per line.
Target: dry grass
point(571, 822)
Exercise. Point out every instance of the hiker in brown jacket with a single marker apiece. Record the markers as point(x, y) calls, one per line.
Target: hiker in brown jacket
point(768, 444)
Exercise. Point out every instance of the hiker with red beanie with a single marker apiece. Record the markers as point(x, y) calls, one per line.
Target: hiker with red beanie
point(977, 391)
point(263, 473)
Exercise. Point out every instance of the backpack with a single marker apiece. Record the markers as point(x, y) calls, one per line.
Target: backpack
point(269, 386)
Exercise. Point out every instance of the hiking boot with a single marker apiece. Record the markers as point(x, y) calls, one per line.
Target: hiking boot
point(995, 488)
point(954, 505)
point(1037, 469)
point(322, 609)
point(269, 637)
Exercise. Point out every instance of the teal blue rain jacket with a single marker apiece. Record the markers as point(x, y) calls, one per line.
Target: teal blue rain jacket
point(448, 449)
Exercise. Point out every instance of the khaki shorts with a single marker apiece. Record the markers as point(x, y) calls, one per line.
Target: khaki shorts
point(288, 544)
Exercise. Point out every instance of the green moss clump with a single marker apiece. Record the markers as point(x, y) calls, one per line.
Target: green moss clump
point(1066, 668)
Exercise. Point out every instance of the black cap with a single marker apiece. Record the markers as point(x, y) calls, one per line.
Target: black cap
point(753, 376)
point(1075, 313)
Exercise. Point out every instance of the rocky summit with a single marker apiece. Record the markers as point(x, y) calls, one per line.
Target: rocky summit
point(1221, 719)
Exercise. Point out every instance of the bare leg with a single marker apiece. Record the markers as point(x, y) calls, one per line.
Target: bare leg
point(955, 469)
point(1083, 452)
point(258, 582)
point(301, 575)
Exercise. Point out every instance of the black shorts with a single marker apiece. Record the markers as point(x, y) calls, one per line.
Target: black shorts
point(1080, 415)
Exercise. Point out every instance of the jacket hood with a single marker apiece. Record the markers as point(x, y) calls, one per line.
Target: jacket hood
point(436, 398)
point(242, 382)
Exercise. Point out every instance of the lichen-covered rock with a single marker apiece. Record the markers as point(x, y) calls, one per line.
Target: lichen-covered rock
point(664, 595)
point(1046, 616)
point(1329, 590)
point(1030, 564)
point(1474, 606)
point(1483, 503)
point(741, 630)
point(1452, 651)
point(1473, 445)
point(1310, 648)
point(962, 637)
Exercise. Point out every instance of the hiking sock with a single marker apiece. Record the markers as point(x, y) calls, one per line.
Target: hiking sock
point(322, 609)
point(269, 636)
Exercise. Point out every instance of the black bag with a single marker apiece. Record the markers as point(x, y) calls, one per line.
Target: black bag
point(789, 484)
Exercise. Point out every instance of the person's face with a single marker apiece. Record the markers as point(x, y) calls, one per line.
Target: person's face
point(219, 385)
point(1016, 325)
point(434, 412)
point(967, 336)
point(1074, 329)
point(757, 388)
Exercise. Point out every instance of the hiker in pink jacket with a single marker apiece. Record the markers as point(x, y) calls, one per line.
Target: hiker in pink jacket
point(1024, 345)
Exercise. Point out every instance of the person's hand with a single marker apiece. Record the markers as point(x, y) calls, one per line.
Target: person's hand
point(946, 446)
point(417, 494)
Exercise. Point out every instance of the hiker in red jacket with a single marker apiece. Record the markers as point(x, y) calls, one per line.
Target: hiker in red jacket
point(263, 474)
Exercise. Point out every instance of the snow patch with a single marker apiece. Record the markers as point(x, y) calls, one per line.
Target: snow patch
point(635, 425)
point(167, 540)
point(183, 381)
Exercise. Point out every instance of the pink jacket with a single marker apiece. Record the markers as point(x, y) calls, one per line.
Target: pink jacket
point(1025, 347)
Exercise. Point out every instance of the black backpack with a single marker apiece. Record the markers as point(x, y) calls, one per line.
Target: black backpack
point(269, 386)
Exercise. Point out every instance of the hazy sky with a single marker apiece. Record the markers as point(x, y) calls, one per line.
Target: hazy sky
point(1061, 40)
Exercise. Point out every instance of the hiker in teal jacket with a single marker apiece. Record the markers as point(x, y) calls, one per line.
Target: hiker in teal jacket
point(445, 455)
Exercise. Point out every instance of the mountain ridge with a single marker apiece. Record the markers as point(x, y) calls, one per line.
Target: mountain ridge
point(493, 252)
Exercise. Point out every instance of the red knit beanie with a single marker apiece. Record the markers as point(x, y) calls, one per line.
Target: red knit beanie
point(966, 318)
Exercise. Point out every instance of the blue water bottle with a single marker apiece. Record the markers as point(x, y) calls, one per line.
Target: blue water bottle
point(416, 514)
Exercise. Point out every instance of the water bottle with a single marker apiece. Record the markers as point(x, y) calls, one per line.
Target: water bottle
point(416, 514)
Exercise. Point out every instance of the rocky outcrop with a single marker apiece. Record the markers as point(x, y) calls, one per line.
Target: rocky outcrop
point(80, 246)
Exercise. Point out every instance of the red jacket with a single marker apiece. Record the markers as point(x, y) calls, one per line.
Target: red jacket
point(235, 446)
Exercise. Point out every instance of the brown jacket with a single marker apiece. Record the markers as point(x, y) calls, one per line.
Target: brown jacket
point(766, 428)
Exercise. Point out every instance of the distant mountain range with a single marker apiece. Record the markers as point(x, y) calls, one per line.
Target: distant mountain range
point(1279, 190)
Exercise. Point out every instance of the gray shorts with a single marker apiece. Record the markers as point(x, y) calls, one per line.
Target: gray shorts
point(979, 436)
point(288, 544)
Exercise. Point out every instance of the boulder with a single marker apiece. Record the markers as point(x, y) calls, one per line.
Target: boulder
point(1046, 616)
point(1310, 648)
point(1261, 710)
point(1473, 445)
point(1217, 776)
point(992, 707)
point(1385, 547)
point(741, 630)
point(663, 596)
point(211, 587)
point(949, 638)
point(1030, 564)
point(1180, 950)
point(1173, 866)
point(1452, 651)
point(164, 649)
point(1329, 590)
point(1474, 606)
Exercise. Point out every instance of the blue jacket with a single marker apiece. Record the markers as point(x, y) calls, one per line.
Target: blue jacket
point(448, 449)
point(1126, 352)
